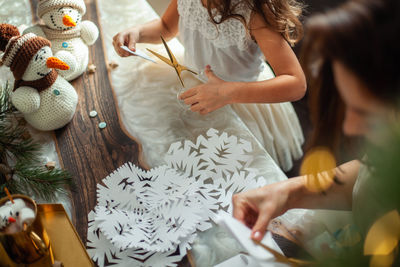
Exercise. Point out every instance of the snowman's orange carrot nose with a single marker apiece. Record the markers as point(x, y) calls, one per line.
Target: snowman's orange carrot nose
point(68, 21)
point(55, 63)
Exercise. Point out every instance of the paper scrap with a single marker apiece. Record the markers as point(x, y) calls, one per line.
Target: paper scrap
point(138, 53)
point(242, 234)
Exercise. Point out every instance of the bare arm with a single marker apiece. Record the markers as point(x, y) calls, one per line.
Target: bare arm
point(150, 32)
point(337, 197)
point(257, 207)
point(289, 83)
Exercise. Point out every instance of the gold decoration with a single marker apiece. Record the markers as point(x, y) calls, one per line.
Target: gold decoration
point(91, 68)
point(112, 65)
point(50, 165)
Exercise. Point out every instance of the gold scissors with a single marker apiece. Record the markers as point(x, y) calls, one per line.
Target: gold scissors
point(172, 61)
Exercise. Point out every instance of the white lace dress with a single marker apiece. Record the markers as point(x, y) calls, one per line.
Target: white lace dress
point(234, 56)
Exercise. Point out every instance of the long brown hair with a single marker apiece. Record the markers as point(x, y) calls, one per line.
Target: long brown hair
point(281, 15)
point(363, 35)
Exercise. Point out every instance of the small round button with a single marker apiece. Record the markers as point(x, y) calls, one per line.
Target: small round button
point(56, 92)
point(93, 113)
point(65, 44)
point(102, 125)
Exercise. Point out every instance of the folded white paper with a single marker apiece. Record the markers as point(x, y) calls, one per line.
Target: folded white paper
point(239, 260)
point(138, 53)
point(242, 234)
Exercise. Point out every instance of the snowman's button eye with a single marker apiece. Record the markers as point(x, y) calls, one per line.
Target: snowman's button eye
point(65, 44)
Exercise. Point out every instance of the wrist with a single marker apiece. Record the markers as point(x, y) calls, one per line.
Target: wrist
point(297, 192)
point(138, 32)
point(232, 90)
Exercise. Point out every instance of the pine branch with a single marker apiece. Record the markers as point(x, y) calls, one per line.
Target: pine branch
point(39, 181)
point(13, 139)
point(26, 175)
point(6, 106)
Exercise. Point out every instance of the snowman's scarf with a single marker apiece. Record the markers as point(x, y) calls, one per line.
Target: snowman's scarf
point(57, 34)
point(40, 84)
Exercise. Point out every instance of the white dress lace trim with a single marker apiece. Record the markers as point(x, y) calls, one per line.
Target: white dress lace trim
point(231, 32)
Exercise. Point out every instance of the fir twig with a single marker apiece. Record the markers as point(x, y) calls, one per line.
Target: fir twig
point(26, 174)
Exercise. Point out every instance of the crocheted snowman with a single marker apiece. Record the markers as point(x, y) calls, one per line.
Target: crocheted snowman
point(46, 99)
point(69, 35)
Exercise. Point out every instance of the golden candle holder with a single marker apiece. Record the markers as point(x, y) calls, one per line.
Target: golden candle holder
point(31, 243)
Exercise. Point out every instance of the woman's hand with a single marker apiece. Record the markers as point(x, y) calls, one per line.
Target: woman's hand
point(128, 38)
point(255, 208)
point(210, 96)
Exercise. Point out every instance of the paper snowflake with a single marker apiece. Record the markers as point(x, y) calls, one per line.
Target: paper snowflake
point(151, 217)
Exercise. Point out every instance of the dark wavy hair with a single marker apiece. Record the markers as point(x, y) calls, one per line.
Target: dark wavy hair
point(363, 35)
point(281, 15)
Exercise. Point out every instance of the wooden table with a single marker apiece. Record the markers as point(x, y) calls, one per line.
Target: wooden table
point(87, 152)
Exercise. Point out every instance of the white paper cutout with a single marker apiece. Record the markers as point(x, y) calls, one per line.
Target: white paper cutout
point(138, 53)
point(242, 234)
point(153, 216)
point(101, 250)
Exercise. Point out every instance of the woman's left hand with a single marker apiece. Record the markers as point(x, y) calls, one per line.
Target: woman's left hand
point(208, 97)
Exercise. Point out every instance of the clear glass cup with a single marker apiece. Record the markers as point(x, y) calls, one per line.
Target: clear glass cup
point(200, 77)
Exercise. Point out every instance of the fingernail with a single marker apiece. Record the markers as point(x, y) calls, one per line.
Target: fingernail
point(257, 235)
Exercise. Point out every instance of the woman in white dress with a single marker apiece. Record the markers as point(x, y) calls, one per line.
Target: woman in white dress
point(228, 39)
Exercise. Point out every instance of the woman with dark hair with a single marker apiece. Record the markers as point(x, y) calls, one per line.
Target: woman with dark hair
point(351, 59)
point(229, 39)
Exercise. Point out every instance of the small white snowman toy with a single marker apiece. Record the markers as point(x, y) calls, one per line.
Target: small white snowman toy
point(46, 99)
point(15, 212)
point(68, 34)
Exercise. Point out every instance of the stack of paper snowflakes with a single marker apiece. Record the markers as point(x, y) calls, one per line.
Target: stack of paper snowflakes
point(150, 218)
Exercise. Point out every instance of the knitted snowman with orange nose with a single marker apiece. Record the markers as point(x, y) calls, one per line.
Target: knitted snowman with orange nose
point(46, 99)
point(68, 34)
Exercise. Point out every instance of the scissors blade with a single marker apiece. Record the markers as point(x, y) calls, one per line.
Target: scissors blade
point(186, 68)
point(174, 62)
point(179, 76)
point(166, 60)
point(171, 56)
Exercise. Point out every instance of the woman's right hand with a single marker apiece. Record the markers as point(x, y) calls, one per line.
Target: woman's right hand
point(129, 38)
point(255, 208)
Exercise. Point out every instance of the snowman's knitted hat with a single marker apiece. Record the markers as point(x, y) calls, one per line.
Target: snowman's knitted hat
point(19, 49)
point(45, 6)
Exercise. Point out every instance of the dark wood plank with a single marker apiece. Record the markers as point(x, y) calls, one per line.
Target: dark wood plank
point(86, 151)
